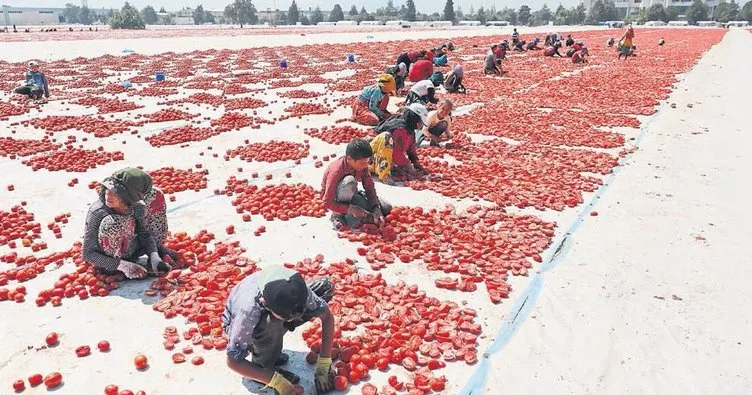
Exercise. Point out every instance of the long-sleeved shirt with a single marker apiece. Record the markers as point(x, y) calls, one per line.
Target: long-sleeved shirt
point(92, 252)
point(243, 313)
point(372, 95)
point(38, 80)
point(421, 70)
point(407, 58)
point(405, 152)
point(334, 174)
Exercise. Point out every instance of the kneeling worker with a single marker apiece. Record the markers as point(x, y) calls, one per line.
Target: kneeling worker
point(370, 107)
point(259, 312)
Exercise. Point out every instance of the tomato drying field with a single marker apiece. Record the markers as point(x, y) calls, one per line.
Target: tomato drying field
point(239, 147)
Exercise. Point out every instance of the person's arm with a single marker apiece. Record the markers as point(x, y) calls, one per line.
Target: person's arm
point(90, 251)
point(432, 95)
point(399, 153)
point(369, 188)
point(46, 87)
point(330, 194)
point(373, 102)
point(412, 153)
point(144, 236)
point(448, 132)
point(327, 333)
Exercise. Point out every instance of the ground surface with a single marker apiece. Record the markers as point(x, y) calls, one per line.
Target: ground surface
point(605, 315)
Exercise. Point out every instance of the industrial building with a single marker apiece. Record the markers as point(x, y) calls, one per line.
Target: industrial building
point(627, 8)
point(22, 16)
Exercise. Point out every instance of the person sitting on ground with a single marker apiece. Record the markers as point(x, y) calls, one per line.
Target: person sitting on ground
point(570, 40)
point(422, 92)
point(533, 45)
point(493, 63)
point(394, 149)
point(421, 70)
point(340, 194)
point(399, 73)
point(553, 50)
point(440, 56)
point(453, 80)
point(520, 46)
point(260, 310)
point(438, 125)
point(580, 56)
point(370, 107)
point(141, 186)
point(515, 37)
point(661, 41)
point(35, 85)
point(610, 42)
point(575, 47)
point(408, 58)
point(116, 237)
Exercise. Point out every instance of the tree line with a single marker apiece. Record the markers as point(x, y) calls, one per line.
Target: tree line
point(243, 12)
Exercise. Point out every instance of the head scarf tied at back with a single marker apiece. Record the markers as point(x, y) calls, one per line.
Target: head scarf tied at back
point(458, 71)
point(130, 183)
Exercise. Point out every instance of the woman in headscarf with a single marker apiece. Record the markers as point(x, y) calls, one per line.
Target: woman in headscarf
point(116, 237)
point(440, 56)
point(370, 108)
point(395, 147)
point(580, 56)
point(421, 70)
point(533, 45)
point(453, 80)
point(625, 43)
point(141, 186)
point(399, 72)
point(408, 58)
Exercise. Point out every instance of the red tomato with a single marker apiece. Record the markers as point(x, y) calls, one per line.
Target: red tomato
point(83, 351)
point(52, 339)
point(141, 361)
point(197, 360)
point(125, 392)
point(382, 364)
point(369, 389)
point(19, 385)
point(35, 380)
point(340, 383)
point(103, 346)
point(53, 380)
point(111, 389)
point(178, 358)
point(312, 357)
point(395, 383)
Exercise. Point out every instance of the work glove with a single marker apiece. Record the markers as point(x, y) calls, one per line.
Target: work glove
point(131, 270)
point(378, 216)
point(281, 385)
point(324, 378)
point(357, 211)
point(157, 264)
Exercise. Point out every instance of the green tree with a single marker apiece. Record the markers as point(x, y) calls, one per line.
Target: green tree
point(746, 13)
point(672, 13)
point(304, 20)
point(602, 11)
point(507, 14)
point(199, 16)
point(337, 14)
point(480, 15)
point(578, 14)
point(317, 16)
point(543, 15)
point(242, 12)
point(449, 14)
point(293, 14)
point(127, 18)
point(353, 11)
point(149, 15)
point(410, 12)
point(85, 16)
point(523, 16)
point(364, 15)
point(561, 17)
point(72, 13)
point(698, 11)
point(725, 12)
point(656, 12)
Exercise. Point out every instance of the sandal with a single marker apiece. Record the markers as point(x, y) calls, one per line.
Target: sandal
point(283, 358)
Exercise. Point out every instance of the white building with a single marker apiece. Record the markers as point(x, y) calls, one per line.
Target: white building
point(22, 16)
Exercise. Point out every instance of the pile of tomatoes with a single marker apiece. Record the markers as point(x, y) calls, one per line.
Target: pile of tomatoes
point(172, 180)
point(169, 114)
point(97, 126)
point(10, 147)
point(105, 105)
point(337, 134)
point(18, 224)
point(273, 151)
point(73, 160)
point(236, 121)
point(180, 135)
point(281, 201)
point(300, 94)
point(301, 109)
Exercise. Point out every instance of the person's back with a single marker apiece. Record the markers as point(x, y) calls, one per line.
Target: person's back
point(490, 60)
point(421, 70)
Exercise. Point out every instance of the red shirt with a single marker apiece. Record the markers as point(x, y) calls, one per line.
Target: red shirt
point(404, 152)
point(334, 174)
point(421, 70)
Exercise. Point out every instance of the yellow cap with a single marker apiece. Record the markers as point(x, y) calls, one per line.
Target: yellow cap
point(387, 83)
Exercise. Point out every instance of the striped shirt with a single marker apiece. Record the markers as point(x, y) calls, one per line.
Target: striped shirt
point(92, 252)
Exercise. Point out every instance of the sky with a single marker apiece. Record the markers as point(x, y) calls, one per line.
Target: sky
point(425, 6)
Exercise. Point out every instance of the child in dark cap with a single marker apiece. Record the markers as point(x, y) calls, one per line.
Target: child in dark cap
point(259, 312)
